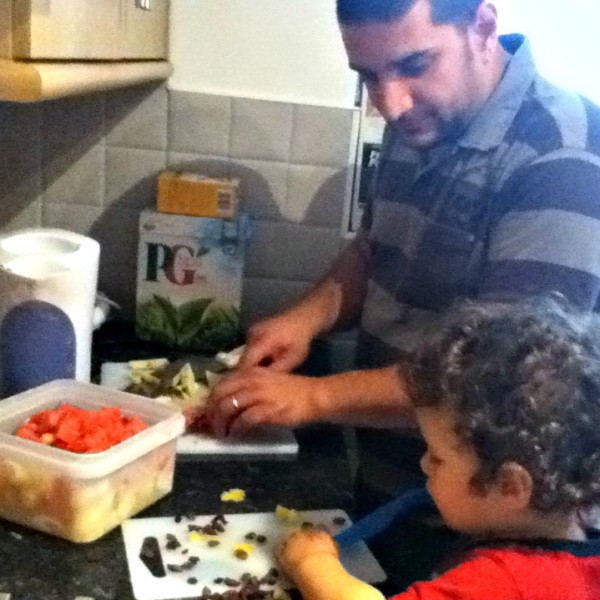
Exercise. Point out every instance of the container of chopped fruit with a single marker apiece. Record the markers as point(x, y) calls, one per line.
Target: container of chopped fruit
point(77, 459)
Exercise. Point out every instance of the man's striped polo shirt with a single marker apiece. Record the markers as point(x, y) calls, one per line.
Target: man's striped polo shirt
point(511, 209)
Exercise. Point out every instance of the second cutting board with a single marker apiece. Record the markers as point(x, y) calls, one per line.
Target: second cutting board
point(262, 443)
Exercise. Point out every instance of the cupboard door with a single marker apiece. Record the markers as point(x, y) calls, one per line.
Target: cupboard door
point(145, 24)
point(66, 29)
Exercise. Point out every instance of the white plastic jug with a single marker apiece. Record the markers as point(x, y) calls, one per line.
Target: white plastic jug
point(48, 281)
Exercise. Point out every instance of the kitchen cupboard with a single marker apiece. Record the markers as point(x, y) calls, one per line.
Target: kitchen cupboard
point(85, 29)
point(55, 48)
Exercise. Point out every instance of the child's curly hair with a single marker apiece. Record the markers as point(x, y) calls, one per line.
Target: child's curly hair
point(523, 383)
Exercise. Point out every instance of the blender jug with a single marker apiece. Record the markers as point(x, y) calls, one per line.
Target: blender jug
point(48, 280)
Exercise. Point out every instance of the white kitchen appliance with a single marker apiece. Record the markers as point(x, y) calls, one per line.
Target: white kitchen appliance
point(48, 280)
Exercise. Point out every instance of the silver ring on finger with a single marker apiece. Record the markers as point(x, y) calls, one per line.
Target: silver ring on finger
point(235, 403)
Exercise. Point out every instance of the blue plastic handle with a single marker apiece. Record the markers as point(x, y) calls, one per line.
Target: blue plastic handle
point(381, 517)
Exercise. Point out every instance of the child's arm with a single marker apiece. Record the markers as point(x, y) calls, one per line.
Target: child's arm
point(310, 558)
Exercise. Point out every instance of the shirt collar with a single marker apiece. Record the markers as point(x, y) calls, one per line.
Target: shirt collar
point(491, 124)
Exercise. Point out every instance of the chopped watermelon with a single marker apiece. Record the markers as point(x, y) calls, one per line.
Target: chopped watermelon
point(79, 430)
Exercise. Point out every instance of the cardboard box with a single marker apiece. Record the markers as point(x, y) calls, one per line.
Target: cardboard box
point(196, 195)
point(189, 283)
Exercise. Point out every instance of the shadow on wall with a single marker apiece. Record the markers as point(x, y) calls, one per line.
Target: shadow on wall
point(20, 165)
point(119, 225)
point(67, 163)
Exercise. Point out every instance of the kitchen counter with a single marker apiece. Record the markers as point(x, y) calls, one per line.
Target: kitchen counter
point(35, 566)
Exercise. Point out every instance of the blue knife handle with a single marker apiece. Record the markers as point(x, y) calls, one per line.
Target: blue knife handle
point(376, 521)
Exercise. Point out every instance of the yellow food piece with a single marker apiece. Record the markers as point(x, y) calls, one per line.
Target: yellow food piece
point(286, 514)
point(234, 495)
point(201, 537)
point(47, 438)
point(148, 365)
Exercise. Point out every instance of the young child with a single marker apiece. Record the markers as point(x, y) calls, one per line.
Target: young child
point(508, 402)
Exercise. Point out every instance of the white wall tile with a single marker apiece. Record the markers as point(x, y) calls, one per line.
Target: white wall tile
point(199, 123)
point(261, 130)
point(137, 117)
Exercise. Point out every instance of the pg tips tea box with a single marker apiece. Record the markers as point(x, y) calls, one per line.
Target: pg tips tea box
point(189, 280)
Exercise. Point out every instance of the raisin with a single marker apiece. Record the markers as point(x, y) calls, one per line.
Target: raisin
point(175, 568)
point(261, 539)
point(192, 580)
point(240, 553)
point(213, 543)
point(172, 542)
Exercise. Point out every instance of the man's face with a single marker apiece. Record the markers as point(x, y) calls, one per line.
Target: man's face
point(427, 80)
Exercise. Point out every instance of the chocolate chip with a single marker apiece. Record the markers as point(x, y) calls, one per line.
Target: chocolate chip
point(213, 543)
point(172, 542)
point(192, 580)
point(339, 520)
point(230, 582)
point(261, 539)
point(175, 568)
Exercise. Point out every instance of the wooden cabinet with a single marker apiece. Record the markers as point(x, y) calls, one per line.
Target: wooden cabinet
point(84, 29)
point(55, 48)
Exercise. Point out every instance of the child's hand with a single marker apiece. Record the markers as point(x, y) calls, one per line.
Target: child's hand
point(302, 544)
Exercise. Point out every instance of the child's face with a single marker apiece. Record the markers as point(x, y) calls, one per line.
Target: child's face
point(450, 467)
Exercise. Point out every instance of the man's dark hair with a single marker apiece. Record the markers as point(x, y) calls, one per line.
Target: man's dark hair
point(356, 12)
point(523, 385)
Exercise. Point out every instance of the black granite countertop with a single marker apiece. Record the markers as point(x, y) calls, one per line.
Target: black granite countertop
point(36, 566)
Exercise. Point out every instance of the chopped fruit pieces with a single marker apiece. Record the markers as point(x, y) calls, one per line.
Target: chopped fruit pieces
point(233, 495)
point(286, 514)
point(79, 430)
point(155, 378)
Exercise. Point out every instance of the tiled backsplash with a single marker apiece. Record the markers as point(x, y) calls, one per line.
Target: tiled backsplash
point(90, 164)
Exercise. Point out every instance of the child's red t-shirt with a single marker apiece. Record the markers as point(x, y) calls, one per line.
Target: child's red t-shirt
point(539, 571)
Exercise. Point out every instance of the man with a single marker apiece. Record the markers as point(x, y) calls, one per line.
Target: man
point(487, 187)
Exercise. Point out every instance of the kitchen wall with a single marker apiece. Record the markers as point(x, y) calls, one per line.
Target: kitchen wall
point(89, 164)
point(281, 50)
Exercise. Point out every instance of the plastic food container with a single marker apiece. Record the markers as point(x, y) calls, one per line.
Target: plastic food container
point(80, 497)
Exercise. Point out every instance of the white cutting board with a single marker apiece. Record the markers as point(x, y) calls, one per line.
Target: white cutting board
point(263, 442)
point(219, 561)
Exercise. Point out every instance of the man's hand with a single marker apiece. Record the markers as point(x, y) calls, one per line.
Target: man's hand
point(259, 395)
point(280, 343)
